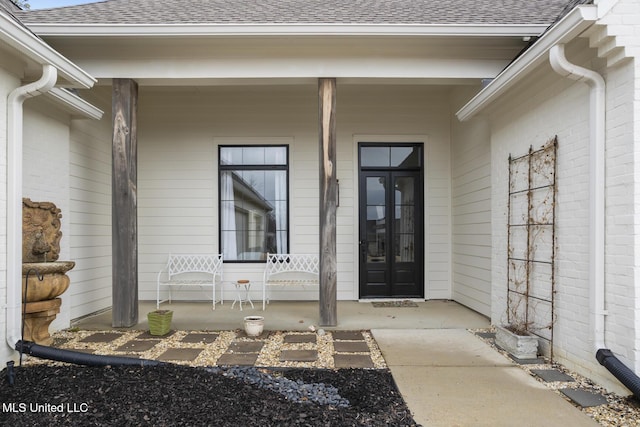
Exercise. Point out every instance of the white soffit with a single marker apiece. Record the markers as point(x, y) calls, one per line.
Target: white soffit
point(165, 30)
point(571, 26)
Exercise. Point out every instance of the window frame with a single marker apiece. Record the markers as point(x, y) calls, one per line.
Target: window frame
point(253, 167)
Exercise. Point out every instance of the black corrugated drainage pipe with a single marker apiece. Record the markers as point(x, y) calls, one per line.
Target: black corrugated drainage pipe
point(625, 375)
point(79, 358)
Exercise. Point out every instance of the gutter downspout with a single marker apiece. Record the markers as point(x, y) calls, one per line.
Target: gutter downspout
point(597, 109)
point(14, 195)
point(562, 66)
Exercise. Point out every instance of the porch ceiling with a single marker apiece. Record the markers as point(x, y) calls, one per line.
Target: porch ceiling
point(184, 61)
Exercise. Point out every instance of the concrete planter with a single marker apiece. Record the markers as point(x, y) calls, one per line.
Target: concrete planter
point(253, 325)
point(519, 346)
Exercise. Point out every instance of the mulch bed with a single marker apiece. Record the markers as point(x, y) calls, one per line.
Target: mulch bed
point(173, 395)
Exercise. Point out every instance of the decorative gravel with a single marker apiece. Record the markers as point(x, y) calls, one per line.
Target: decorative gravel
point(619, 411)
point(269, 355)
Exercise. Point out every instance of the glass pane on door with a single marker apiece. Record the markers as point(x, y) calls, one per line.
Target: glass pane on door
point(404, 219)
point(376, 219)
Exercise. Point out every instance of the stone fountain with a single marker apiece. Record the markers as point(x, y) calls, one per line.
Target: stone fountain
point(44, 278)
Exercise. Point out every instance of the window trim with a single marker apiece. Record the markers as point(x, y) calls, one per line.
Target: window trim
point(263, 167)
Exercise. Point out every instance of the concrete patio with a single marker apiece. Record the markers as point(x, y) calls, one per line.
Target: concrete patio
point(299, 315)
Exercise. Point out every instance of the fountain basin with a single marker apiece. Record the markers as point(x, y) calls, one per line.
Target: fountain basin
point(55, 280)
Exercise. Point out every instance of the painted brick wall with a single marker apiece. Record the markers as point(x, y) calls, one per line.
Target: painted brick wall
point(532, 118)
point(544, 106)
point(46, 173)
point(623, 179)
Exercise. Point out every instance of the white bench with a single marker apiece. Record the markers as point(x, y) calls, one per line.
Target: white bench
point(290, 269)
point(190, 270)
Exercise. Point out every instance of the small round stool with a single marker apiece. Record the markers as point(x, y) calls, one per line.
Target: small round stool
point(242, 293)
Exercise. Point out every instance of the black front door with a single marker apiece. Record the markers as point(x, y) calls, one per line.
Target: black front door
point(391, 221)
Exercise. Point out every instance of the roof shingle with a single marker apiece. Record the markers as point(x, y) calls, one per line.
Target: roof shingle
point(436, 12)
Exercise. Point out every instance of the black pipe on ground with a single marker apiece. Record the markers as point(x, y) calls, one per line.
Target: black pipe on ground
point(79, 358)
point(625, 375)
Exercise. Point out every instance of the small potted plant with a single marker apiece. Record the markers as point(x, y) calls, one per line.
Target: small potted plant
point(160, 322)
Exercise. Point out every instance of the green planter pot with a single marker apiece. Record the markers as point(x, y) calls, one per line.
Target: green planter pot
point(160, 322)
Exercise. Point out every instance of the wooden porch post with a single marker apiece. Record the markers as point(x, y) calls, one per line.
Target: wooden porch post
point(328, 191)
point(124, 203)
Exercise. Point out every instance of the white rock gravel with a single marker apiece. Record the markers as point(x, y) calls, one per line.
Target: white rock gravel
point(269, 355)
point(620, 411)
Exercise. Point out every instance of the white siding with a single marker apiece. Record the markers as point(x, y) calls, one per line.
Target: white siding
point(178, 180)
point(90, 212)
point(179, 131)
point(471, 213)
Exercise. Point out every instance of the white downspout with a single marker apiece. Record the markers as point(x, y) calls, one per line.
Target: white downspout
point(14, 196)
point(562, 66)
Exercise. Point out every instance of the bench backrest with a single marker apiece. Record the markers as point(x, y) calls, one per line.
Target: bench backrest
point(292, 263)
point(194, 263)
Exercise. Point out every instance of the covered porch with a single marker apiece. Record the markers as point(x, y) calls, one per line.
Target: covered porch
point(300, 315)
point(180, 132)
point(149, 180)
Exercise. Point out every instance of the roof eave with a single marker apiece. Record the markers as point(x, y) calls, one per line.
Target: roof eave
point(21, 39)
point(573, 24)
point(74, 104)
point(151, 30)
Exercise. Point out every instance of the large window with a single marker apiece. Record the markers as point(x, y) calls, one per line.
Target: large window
point(254, 201)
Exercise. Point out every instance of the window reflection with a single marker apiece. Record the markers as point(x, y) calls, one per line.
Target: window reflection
point(253, 202)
